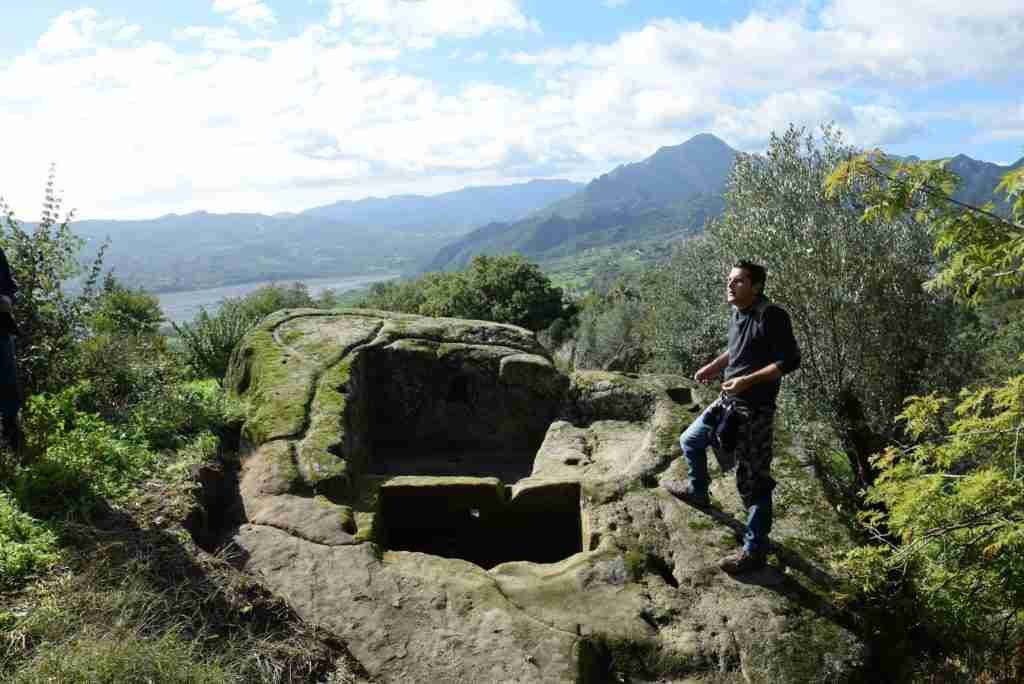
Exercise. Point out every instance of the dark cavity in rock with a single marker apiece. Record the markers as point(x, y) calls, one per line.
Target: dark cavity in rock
point(446, 410)
point(475, 520)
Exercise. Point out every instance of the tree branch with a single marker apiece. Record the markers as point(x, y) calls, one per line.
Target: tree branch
point(937, 192)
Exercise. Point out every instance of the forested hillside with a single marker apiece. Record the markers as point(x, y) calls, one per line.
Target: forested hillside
point(668, 195)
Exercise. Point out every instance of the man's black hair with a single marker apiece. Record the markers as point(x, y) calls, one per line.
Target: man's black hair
point(758, 275)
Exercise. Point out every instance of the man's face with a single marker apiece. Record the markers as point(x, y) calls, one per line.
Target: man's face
point(739, 291)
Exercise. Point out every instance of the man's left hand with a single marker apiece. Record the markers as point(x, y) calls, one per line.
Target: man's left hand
point(737, 385)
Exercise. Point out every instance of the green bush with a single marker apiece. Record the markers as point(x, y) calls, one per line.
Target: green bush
point(27, 545)
point(207, 342)
point(274, 297)
point(78, 457)
point(119, 310)
point(402, 296)
point(170, 417)
point(51, 321)
point(504, 289)
point(123, 370)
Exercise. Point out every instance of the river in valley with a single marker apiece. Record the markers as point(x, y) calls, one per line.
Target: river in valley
point(183, 306)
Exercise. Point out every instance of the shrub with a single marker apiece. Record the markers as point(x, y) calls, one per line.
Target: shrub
point(948, 520)
point(122, 370)
point(27, 545)
point(401, 296)
point(273, 297)
point(504, 289)
point(613, 330)
point(171, 416)
point(207, 342)
point(51, 321)
point(119, 310)
point(78, 456)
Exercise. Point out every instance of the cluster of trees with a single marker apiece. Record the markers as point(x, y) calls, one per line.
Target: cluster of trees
point(505, 289)
point(947, 509)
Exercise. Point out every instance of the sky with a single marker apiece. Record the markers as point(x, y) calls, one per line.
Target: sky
point(272, 106)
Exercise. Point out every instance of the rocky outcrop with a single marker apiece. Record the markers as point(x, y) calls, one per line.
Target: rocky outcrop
point(438, 495)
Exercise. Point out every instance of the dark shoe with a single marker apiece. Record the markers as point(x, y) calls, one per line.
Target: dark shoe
point(743, 561)
point(683, 490)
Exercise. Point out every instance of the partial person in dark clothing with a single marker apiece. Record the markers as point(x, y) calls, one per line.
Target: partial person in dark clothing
point(739, 424)
point(10, 394)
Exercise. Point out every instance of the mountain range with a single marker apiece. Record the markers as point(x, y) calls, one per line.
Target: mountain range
point(389, 235)
point(637, 207)
point(451, 212)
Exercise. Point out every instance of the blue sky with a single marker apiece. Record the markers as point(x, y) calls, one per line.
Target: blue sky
point(264, 105)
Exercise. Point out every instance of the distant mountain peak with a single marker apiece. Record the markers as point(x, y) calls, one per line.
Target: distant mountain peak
point(699, 142)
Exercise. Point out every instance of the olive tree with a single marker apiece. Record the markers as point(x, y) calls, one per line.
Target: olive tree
point(613, 329)
point(687, 298)
point(870, 334)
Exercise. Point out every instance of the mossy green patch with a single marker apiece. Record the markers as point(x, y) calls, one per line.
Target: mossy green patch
point(322, 460)
point(282, 455)
point(366, 526)
point(324, 472)
point(278, 389)
point(667, 432)
point(346, 516)
point(636, 564)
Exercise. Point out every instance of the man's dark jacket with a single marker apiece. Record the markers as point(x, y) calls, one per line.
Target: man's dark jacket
point(759, 336)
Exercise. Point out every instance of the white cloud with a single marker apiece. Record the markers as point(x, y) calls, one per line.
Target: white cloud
point(77, 30)
point(251, 13)
point(418, 24)
point(931, 40)
point(998, 123)
point(221, 39)
point(850, 64)
point(149, 128)
point(268, 124)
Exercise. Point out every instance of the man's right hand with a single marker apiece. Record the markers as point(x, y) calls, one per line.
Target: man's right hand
point(6, 305)
point(705, 374)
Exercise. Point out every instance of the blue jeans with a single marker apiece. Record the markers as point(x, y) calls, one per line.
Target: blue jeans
point(694, 442)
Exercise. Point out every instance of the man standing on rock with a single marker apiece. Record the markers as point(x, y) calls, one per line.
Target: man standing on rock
point(738, 425)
